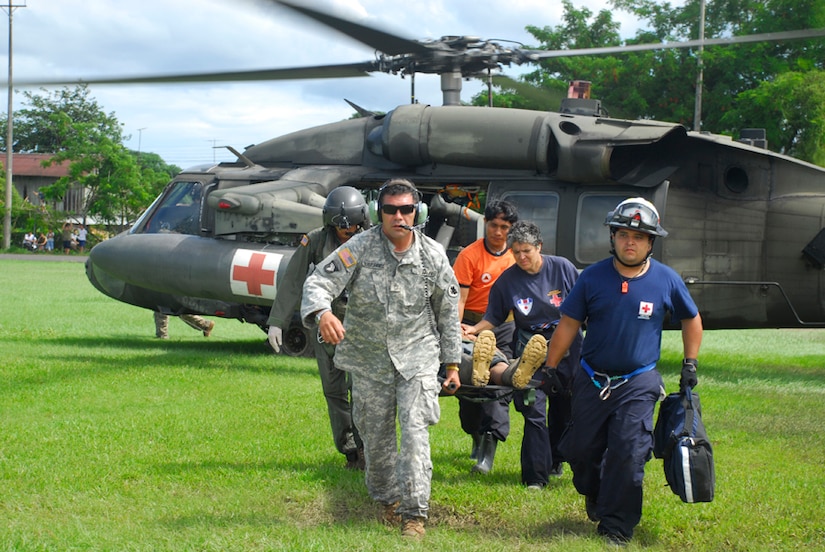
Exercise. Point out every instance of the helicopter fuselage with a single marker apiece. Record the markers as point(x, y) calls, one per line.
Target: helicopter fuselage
point(745, 224)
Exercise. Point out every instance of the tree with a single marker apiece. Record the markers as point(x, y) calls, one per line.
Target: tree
point(791, 108)
point(41, 126)
point(118, 184)
point(661, 84)
point(25, 217)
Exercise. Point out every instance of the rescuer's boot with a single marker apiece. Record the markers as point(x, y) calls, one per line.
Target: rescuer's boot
point(486, 454)
point(476, 446)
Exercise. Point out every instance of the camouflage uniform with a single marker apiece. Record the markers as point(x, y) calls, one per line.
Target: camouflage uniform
point(315, 246)
point(395, 341)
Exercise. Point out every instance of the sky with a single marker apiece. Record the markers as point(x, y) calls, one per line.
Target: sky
point(186, 124)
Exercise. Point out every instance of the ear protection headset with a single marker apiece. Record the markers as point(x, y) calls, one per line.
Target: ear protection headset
point(421, 209)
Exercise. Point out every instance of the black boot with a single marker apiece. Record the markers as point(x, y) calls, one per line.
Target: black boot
point(476, 446)
point(486, 454)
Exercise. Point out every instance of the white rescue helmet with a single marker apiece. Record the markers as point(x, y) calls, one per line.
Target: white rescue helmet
point(345, 207)
point(636, 213)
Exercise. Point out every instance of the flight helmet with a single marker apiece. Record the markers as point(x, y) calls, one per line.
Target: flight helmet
point(345, 207)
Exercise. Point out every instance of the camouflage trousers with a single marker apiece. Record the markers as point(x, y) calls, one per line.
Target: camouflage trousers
point(396, 474)
point(162, 323)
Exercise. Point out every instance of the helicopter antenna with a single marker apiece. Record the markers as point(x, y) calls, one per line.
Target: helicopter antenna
point(363, 112)
point(241, 157)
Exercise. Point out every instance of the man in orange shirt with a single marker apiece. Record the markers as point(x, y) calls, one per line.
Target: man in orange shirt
point(476, 268)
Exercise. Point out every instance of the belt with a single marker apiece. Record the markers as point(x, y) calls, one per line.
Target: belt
point(612, 382)
point(473, 317)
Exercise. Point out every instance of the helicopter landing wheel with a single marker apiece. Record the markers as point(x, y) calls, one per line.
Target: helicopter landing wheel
point(296, 342)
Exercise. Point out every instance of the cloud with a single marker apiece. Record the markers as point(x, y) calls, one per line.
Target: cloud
point(76, 39)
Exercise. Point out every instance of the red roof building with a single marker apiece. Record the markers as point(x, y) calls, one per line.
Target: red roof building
point(29, 176)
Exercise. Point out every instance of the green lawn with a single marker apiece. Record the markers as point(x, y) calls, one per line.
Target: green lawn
point(114, 440)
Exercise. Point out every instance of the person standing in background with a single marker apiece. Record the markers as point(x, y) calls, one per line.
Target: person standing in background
point(191, 320)
point(476, 268)
point(345, 213)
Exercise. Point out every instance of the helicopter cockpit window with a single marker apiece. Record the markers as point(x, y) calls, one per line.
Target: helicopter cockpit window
point(179, 210)
point(591, 233)
point(543, 210)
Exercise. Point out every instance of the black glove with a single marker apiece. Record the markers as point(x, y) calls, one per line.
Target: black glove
point(688, 378)
point(552, 384)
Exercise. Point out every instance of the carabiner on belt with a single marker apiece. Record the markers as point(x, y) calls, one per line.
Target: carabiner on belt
point(610, 383)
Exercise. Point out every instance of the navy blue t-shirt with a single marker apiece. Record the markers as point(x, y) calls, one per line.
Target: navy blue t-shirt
point(624, 330)
point(535, 299)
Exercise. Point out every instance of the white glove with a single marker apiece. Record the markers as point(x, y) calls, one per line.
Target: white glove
point(276, 338)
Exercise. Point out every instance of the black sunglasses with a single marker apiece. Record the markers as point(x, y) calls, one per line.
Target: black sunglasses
point(392, 209)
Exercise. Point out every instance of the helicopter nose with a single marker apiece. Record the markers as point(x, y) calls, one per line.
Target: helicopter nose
point(99, 278)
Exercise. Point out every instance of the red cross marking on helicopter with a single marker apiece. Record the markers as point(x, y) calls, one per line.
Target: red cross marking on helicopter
point(253, 273)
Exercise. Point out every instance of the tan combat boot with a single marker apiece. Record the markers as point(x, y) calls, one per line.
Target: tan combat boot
point(521, 370)
point(413, 528)
point(483, 350)
point(389, 516)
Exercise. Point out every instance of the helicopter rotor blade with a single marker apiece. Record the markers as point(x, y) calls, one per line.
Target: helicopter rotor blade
point(450, 55)
point(380, 40)
point(542, 98)
point(535, 55)
point(293, 73)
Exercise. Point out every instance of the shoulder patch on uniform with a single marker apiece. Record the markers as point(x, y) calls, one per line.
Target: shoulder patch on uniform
point(346, 257)
point(305, 241)
point(452, 291)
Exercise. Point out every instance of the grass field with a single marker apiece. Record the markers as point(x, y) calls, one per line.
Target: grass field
point(114, 440)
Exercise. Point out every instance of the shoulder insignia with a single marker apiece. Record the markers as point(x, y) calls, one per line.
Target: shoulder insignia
point(305, 241)
point(452, 291)
point(346, 257)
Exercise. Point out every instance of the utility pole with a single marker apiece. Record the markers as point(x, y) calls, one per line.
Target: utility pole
point(9, 9)
point(140, 137)
point(697, 106)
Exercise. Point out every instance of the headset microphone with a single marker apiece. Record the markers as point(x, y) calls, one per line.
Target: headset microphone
point(416, 227)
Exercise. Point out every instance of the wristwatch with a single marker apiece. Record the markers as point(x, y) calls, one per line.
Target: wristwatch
point(319, 314)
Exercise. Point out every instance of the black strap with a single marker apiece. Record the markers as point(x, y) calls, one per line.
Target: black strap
point(688, 429)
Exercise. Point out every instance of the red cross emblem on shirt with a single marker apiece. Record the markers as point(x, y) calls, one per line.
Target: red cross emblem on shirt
point(645, 309)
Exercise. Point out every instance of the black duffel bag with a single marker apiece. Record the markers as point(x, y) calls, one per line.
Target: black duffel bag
point(680, 440)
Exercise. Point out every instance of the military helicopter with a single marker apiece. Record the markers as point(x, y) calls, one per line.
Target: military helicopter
point(746, 226)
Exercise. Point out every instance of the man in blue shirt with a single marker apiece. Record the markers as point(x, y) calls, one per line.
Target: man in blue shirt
point(623, 300)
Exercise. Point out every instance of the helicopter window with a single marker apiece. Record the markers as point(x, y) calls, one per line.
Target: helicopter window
point(179, 210)
point(542, 209)
point(591, 235)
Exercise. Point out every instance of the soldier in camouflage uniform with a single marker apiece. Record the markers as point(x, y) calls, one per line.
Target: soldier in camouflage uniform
point(345, 212)
point(192, 320)
point(401, 324)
